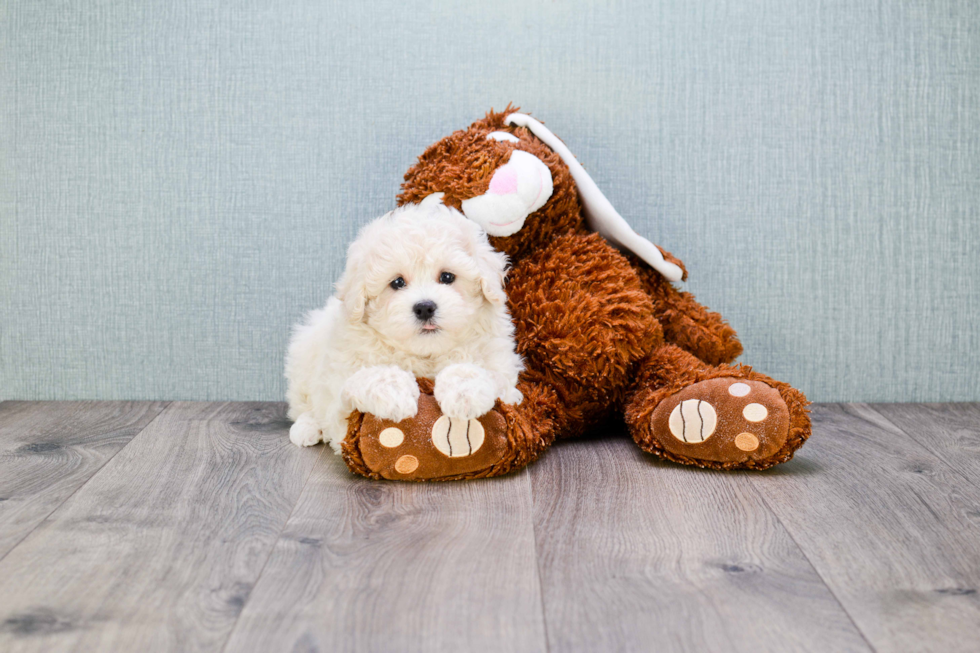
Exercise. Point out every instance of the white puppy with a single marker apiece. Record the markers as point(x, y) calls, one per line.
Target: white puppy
point(422, 295)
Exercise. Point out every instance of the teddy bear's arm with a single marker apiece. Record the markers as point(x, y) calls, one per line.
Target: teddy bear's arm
point(687, 323)
point(581, 313)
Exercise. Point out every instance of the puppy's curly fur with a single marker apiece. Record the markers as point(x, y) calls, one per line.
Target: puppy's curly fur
point(422, 296)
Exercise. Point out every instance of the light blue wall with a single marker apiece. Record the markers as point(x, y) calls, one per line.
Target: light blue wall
point(178, 180)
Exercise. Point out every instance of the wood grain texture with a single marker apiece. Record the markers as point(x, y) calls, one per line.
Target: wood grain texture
point(891, 528)
point(380, 566)
point(950, 431)
point(48, 450)
point(208, 531)
point(161, 548)
point(636, 554)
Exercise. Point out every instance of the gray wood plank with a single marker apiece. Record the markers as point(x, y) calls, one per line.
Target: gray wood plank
point(160, 549)
point(636, 554)
point(381, 566)
point(950, 431)
point(49, 449)
point(892, 530)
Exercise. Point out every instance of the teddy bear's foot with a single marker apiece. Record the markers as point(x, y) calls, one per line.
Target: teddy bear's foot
point(429, 446)
point(722, 420)
point(433, 447)
point(727, 418)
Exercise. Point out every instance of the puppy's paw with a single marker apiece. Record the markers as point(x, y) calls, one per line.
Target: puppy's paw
point(512, 396)
point(305, 432)
point(385, 391)
point(465, 391)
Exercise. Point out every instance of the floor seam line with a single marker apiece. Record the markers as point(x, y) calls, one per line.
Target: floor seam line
point(166, 407)
point(816, 571)
point(537, 562)
point(920, 444)
point(272, 549)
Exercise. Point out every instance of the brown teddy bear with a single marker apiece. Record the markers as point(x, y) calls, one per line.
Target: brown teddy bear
point(602, 330)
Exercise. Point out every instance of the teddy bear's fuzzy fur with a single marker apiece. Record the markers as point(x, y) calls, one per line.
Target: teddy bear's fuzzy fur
point(602, 333)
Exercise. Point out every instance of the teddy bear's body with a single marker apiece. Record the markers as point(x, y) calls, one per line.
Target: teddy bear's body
point(601, 331)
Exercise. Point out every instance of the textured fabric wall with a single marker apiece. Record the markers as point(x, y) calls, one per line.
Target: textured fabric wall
point(178, 180)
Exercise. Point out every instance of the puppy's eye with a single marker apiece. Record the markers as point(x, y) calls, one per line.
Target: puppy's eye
point(447, 278)
point(398, 284)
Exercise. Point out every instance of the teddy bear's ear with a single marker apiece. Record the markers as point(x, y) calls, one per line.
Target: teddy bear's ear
point(600, 214)
point(503, 136)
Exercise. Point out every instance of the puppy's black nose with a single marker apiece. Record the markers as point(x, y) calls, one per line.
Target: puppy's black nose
point(424, 310)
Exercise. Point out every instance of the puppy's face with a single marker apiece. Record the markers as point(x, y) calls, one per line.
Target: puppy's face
point(426, 275)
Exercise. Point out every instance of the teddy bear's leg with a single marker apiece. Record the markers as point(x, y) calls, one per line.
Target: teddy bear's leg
point(722, 417)
point(687, 323)
point(433, 447)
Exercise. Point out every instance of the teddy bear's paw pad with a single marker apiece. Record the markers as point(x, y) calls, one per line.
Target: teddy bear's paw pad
point(431, 445)
point(458, 437)
point(722, 420)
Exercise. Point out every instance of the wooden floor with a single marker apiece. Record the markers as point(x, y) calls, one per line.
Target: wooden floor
point(199, 527)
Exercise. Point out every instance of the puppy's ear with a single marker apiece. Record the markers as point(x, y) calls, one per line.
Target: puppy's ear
point(492, 267)
point(351, 290)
